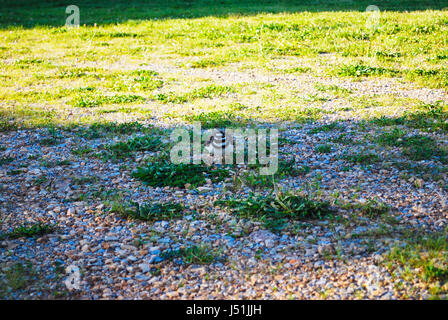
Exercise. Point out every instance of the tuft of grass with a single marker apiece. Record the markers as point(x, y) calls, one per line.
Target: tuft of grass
point(201, 254)
point(423, 258)
point(323, 148)
point(90, 100)
point(391, 138)
point(337, 90)
point(325, 128)
point(34, 230)
point(422, 148)
point(17, 277)
point(124, 149)
point(150, 211)
point(5, 160)
point(372, 208)
point(165, 173)
point(433, 116)
point(82, 151)
point(276, 210)
point(210, 91)
point(362, 157)
point(416, 147)
point(361, 70)
point(99, 129)
point(215, 119)
point(290, 168)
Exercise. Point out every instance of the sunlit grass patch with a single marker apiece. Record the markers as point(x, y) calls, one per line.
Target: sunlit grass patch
point(91, 100)
point(216, 119)
point(334, 89)
point(210, 91)
point(360, 70)
point(426, 116)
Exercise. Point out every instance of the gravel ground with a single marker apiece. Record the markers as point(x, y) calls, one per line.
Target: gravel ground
point(123, 259)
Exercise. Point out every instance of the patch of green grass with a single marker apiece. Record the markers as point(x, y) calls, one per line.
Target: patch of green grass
point(91, 100)
point(6, 160)
point(290, 167)
point(100, 129)
point(17, 277)
point(201, 254)
point(392, 138)
point(427, 172)
point(422, 148)
point(125, 149)
point(255, 180)
point(49, 141)
point(286, 168)
point(416, 147)
point(215, 119)
point(372, 208)
point(276, 210)
point(53, 137)
point(323, 148)
point(297, 70)
point(82, 151)
point(210, 91)
point(344, 139)
point(337, 90)
point(362, 157)
point(39, 181)
point(150, 211)
point(138, 80)
point(14, 172)
point(361, 70)
point(35, 230)
point(424, 258)
point(325, 128)
point(427, 117)
point(165, 173)
point(82, 180)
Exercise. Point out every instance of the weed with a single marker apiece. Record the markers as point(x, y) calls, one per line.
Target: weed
point(192, 255)
point(124, 149)
point(372, 208)
point(151, 211)
point(165, 173)
point(323, 148)
point(361, 157)
point(5, 160)
point(274, 211)
point(34, 230)
point(325, 128)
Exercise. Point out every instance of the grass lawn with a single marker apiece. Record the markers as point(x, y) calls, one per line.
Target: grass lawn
point(361, 99)
point(50, 72)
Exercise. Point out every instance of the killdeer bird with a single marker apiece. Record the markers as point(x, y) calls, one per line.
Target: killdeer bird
point(217, 144)
point(216, 141)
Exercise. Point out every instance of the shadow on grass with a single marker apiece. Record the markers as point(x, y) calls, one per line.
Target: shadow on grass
point(29, 13)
